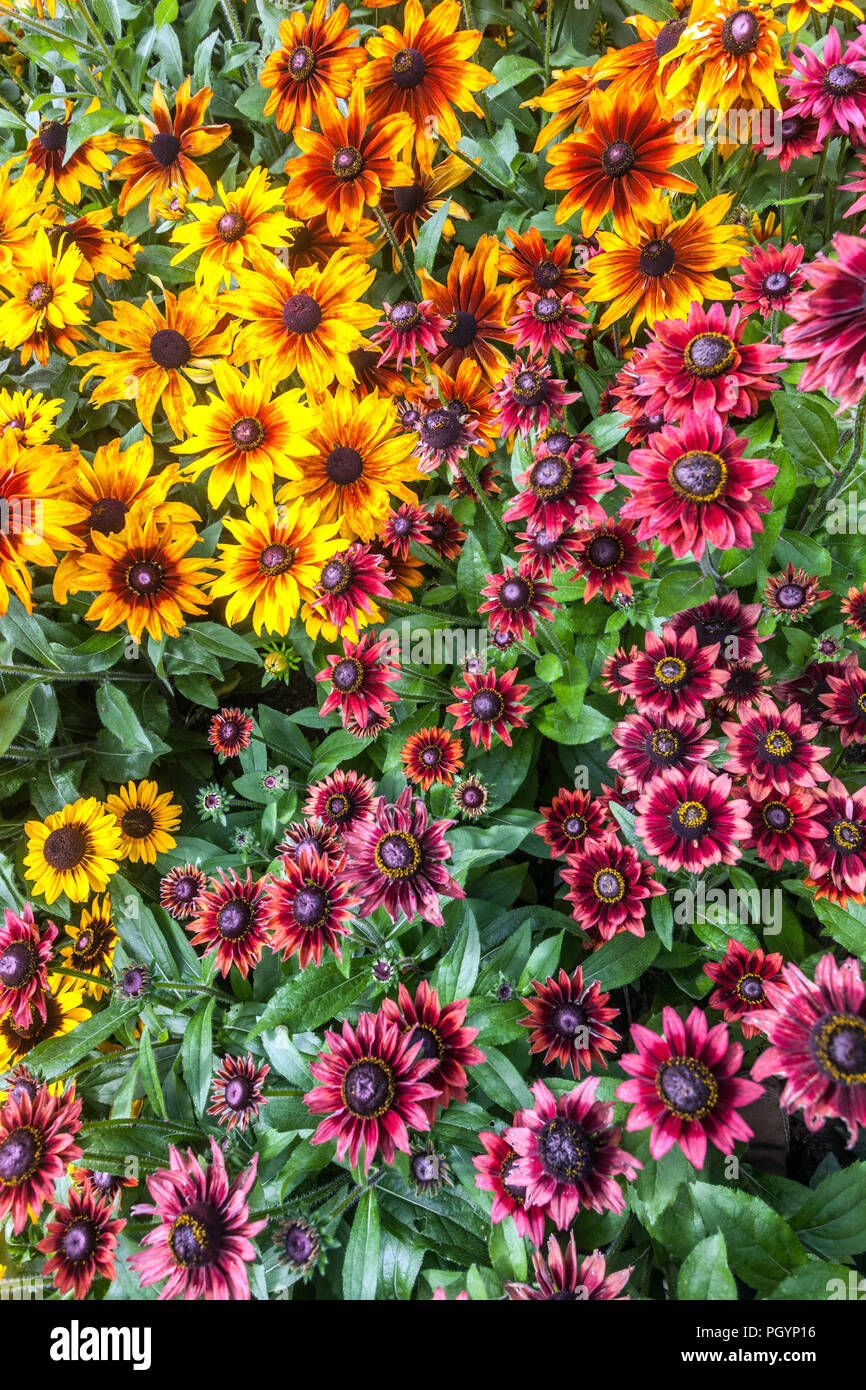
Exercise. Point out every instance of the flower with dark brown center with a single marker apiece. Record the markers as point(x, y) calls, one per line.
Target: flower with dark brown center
point(165, 148)
point(344, 465)
point(169, 349)
point(698, 476)
point(231, 226)
point(618, 159)
point(740, 33)
point(301, 314)
point(408, 68)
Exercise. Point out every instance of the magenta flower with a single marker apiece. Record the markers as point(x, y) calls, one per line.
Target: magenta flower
point(25, 954)
point(561, 1279)
point(496, 1174)
point(830, 89)
point(528, 397)
point(396, 861)
point(829, 329)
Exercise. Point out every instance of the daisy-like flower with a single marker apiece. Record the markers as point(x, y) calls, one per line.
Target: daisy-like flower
point(774, 750)
point(830, 88)
point(307, 322)
point(620, 158)
point(703, 364)
point(515, 602)
point(684, 1084)
point(782, 826)
point(231, 921)
point(91, 948)
point(445, 436)
point(837, 861)
point(817, 1033)
point(489, 703)
point(609, 885)
point(571, 821)
point(475, 308)
point(271, 566)
point(569, 1153)
point(740, 978)
point(793, 593)
point(371, 1087)
point(405, 526)
point(470, 798)
point(103, 251)
point(560, 489)
point(496, 1174)
point(801, 11)
point(673, 676)
point(612, 669)
point(204, 1237)
point(689, 820)
point(158, 353)
point(344, 598)
point(236, 1092)
point(36, 1144)
point(28, 416)
point(548, 322)
point(647, 744)
point(80, 1242)
point(25, 954)
point(316, 62)
point(86, 165)
point(440, 1030)
point(466, 394)
point(344, 168)
point(397, 861)
point(407, 207)
point(307, 909)
point(658, 268)
point(693, 487)
point(561, 1279)
point(134, 983)
point(532, 266)
point(529, 396)
point(798, 136)
point(853, 607)
point(73, 851)
point(733, 50)
point(360, 680)
point(845, 703)
point(828, 331)
point(20, 201)
point(180, 891)
point(542, 552)
point(64, 1010)
point(311, 243)
point(424, 71)
point(569, 1022)
point(251, 218)
point(145, 820)
point(359, 462)
point(342, 800)
point(314, 837)
point(230, 732)
point(431, 756)
point(166, 159)
point(607, 555)
point(746, 685)
point(298, 1244)
point(807, 687)
point(769, 278)
point(724, 622)
point(46, 303)
point(100, 1184)
point(407, 328)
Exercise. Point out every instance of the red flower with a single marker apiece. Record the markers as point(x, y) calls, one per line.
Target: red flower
point(818, 1037)
point(431, 756)
point(560, 1279)
point(446, 433)
point(770, 277)
point(569, 1153)
point(793, 593)
point(528, 397)
point(544, 551)
point(307, 909)
point(612, 668)
point(490, 703)
point(407, 525)
point(746, 687)
point(570, 1021)
point(854, 608)
point(36, 1145)
point(371, 1088)
point(831, 88)
point(181, 889)
point(397, 861)
point(572, 820)
point(531, 266)
point(315, 836)
point(741, 976)
point(808, 687)
point(203, 1240)
point(360, 681)
point(81, 1241)
point(837, 861)
point(846, 704)
point(237, 1091)
point(341, 800)
point(687, 820)
point(774, 750)
point(230, 732)
point(470, 798)
point(514, 601)
point(231, 921)
point(692, 487)
point(560, 488)
point(25, 954)
point(440, 1031)
point(685, 1085)
point(648, 744)
point(703, 365)
point(408, 327)
point(548, 322)
point(609, 888)
point(496, 1174)
point(799, 136)
point(782, 827)
point(446, 537)
point(727, 623)
point(673, 676)
point(828, 331)
point(607, 555)
point(348, 587)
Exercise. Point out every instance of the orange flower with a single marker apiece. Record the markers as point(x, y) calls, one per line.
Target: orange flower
point(568, 101)
point(475, 306)
point(86, 165)
point(315, 64)
point(531, 266)
point(165, 160)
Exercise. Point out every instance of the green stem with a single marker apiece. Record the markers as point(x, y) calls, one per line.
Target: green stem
point(533, 24)
point(234, 24)
point(89, 21)
point(844, 474)
point(548, 21)
point(81, 45)
point(408, 608)
point(489, 178)
point(810, 209)
point(708, 568)
point(545, 629)
point(472, 478)
point(409, 274)
point(36, 672)
point(354, 1196)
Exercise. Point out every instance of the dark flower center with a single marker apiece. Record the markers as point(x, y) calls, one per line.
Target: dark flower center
point(108, 515)
point(440, 429)
point(408, 199)
point(515, 1190)
point(137, 823)
point(39, 294)
point(408, 68)
point(546, 274)
point(347, 163)
point(790, 595)
point(52, 136)
point(165, 148)
point(144, 577)
point(609, 886)
point(404, 316)
point(368, 1088)
point(777, 817)
point(791, 127)
point(486, 705)
point(605, 552)
point(338, 807)
point(431, 1043)
point(846, 836)
point(550, 478)
point(668, 37)
point(311, 906)
point(838, 1046)
point(840, 80)
point(169, 349)
point(298, 1245)
point(664, 746)
point(670, 672)
point(425, 1168)
point(529, 387)
point(275, 559)
point(344, 465)
point(234, 919)
point(195, 1238)
point(565, 1150)
point(515, 594)
point(184, 890)
point(79, 1240)
point(567, 1018)
point(618, 159)
point(431, 757)
point(18, 964)
point(776, 284)
point(574, 827)
point(472, 796)
point(543, 543)
point(548, 310)
point(335, 577)
point(751, 989)
point(22, 1086)
point(134, 981)
point(776, 746)
point(398, 855)
point(740, 33)
point(462, 329)
point(698, 476)
point(238, 1093)
point(301, 63)
point(231, 226)
point(687, 1088)
point(657, 258)
point(689, 820)
point(301, 314)
point(709, 354)
point(65, 848)
point(247, 433)
point(347, 675)
point(20, 1154)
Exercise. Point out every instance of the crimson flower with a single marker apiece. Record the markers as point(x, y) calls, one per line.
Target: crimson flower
point(407, 329)
point(845, 703)
point(430, 756)
point(440, 1030)
point(673, 676)
point(396, 861)
point(837, 861)
point(609, 886)
point(607, 555)
point(489, 703)
point(181, 889)
point(688, 820)
point(36, 1146)
point(647, 744)
point(560, 488)
point(830, 88)
point(828, 332)
point(528, 397)
point(769, 277)
point(572, 820)
point(360, 680)
point(781, 828)
point(741, 976)
point(725, 622)
point(569, 1021)
point(514, 602)
point(496, 1174)
point(307, 909)
point(793, 593)
point(81, 1241)
point(404, 526)
point(230, 732)
point(237, 1091)
point(341, 800)
point(231, 921)
point(25, 955)
point(562, 1280)
point(774, 750)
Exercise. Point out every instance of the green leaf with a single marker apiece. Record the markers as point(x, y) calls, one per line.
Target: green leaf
point(795, 548)
point(816, 1281)
point(473, 568)
point(502, 1081)
point(59, 1055)
point(507, 1252)
point(197, 1054)
point(621, 960)
point(13, 712)
point(809, 432)
point(832, 1220)
point(683, 589)
point(84, 127)
point(548, 669)
point(310, 999)
point(705, 1274)
point(761, 1246)
point(457, 971)
point(429, 237)
point(118, 716)
point(150, 1076)
point(361, 1264)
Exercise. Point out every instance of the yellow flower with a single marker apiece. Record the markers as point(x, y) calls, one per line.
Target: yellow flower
point(145, 818)
point(20, 202)
point(226, 234)
point(46, 152)
point(91, 949)
point(801, 11)
point(36, 520)
point(734, 50)
point(45, 304)
point(28, 416)
point(73, 851)
point(65, 1009)
point(103, 251)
